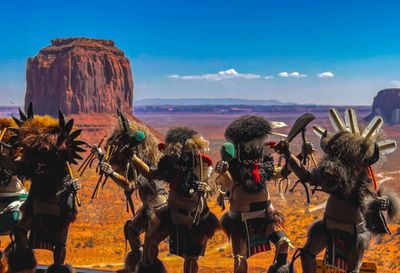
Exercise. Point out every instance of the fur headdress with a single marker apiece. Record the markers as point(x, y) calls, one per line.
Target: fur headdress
point(148, 147)
point(187, 138)
point(6, 123)
point(46, 134)
point(247, 128)
point(350, 149)
point(351, 146)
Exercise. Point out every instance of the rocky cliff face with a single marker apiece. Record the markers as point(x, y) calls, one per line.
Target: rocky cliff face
point(387, 105)
point(79, 75)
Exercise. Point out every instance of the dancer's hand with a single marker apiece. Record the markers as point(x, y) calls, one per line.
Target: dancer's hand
point(72, 184)
point(203, 187)
point(384, 203)
point(106, 168)
point(76, 185)
point(221, 167)
point(307, 149)
point(283, 148)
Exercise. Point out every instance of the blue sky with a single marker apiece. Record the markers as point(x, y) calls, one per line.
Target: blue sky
point(263, 49)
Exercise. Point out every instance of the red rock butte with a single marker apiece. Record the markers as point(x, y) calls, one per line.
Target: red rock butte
point(79, 75)
point(387, 105)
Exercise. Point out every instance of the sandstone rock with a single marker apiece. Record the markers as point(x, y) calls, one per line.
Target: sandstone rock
point(387, 105)
point(79, 75)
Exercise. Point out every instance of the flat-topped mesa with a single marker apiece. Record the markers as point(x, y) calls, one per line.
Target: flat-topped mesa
point(67, 44)
point(387, 105)
point(81, 40)
point(79, 75)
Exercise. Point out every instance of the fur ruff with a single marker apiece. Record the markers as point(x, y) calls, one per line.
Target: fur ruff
point(60, 269)
point(372, 213)
point(156, 267)
point(231, 226)
point(206, 227)
point(148, 150)
point(279, 269)
point(131, 261)
point(18, 261)
point(394, 205)
point(247, 128)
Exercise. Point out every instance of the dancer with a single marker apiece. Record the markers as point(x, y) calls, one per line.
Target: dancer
point(47, 148)
point(354, 211)
point(187, 220)
point(252, 223)
point(128, 140)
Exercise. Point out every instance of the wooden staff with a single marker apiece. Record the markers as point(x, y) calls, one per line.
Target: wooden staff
point(96, 190)
point(78, 202)
point(109, 153)
point(144, 167)
point(3, 132)
point(90, 157)
point(200, 205)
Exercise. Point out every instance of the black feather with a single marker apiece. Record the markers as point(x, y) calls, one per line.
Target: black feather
point(13, 139)
point(14, 130)
point(17, 121)
point(60, 139)
point(75, 134)
point(68, 126)
point(75, 155)
point(79, 143)
point(79, 149)
point(61, 118)
point(73, 161)
point(30, 110)
point(125, 123)
point(22, 114)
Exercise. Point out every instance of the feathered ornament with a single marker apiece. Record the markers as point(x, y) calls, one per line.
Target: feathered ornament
point(38, 127)
point(350, 124)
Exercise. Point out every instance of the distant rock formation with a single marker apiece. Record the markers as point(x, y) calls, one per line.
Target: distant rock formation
point(387, 105)
point(79, 75)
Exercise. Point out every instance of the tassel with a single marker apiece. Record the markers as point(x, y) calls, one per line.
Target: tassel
point(371, 174)
point(256, 173)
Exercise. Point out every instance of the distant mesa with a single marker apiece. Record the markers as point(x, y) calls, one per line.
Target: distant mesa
point(79, 75)
point(207, 101)
point(387, 105)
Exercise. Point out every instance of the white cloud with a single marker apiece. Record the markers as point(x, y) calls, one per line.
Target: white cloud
point(268, 77)
point(326, 74)
point(395, 83)
point(297, 75)
point(284, 74)
point(221, 75)
point(294, 74)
